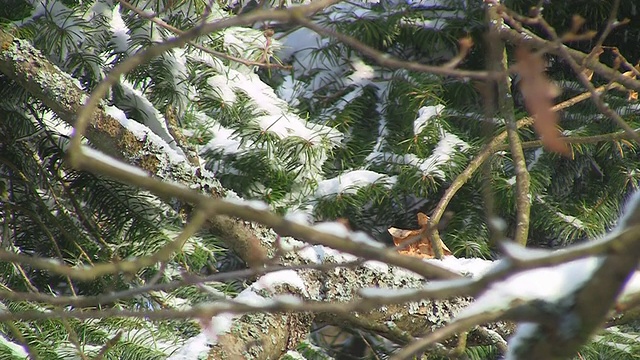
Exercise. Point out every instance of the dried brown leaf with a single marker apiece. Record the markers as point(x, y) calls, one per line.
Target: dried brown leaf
point(423, 219)
point(420, 247)
point(538, 92)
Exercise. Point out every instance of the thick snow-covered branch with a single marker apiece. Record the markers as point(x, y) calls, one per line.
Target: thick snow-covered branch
point(275, 313)
point(112, 133)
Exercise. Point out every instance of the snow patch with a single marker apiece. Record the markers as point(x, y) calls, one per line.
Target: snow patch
point(221, 323)
point(362, 74)
point(571, 220)
point(549, 284)
point(270, 280)
point(16, 350)
point(431, 166)
point(425, 114)
point(223, 140)
point(473, 267)
point(375, 265)
point(119, 31)
point(141, 132)
point(299, 217)
point(150, 116)
point(333, 228)
point(254, 204)
point(196, 347)
point(102, 157)
point(349, 182)
point(524, 334)
point(632, 287)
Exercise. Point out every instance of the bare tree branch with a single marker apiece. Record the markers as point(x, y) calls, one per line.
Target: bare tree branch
point(520, 36)
point(498, 62)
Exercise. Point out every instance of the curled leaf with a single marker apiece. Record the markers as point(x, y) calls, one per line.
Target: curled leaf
point(538, 93)
point(416, 242)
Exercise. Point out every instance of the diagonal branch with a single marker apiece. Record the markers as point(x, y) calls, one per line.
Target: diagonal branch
point(496, 144)
point(520, 36)
point(564, 52)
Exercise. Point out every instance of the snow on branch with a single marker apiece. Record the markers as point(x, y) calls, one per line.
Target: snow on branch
point(576, 287)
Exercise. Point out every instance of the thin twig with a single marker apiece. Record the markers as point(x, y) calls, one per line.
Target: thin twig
point(615, 136)
point(387, 60)
point(153, 18)
point(611, 24)
point(524, 37)
point(595, 95)
point(188, 279)
point(490, 148)
point(126, 266)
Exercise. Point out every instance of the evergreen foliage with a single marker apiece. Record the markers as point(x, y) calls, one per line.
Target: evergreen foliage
point(335, 136)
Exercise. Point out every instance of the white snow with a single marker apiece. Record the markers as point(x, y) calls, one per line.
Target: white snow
point(104, 158)
point(177, 61)
point(220, 85)
point(631, 288)
point(288, 299)
point(435, 24)
point(441, 155)
point(313, 254)
point(286, 125)
point(65, 20)
point(223, 140)
point(151, 117)
point(549, 284)
point(221, 323)
point(327, 254)
point(447, 145)
point(306, 48)
point(289, 90)
point(572, 220)
point(276, 116)
point(375, 265)
point(119, 31)
point(364, 238)
point(518, 252)
point(254, 204)
point(50, 120)
point(383, 95)
point(425, 114)
point(195, 348)
point(270, 280)
point(349, 12)
point(299, 216)
point(362, 74)
point(523, 335)
point(536, 157)
point(349, 182)
point(294, 355)
point(425, 3)
point(142, 132)
point(17, 351)
point(473, 267)
point(333, 228)
point(246, 43)
point(338, 229)
point(288, 244)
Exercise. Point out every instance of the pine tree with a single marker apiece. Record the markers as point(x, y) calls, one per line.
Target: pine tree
point(322, 130)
